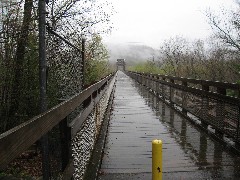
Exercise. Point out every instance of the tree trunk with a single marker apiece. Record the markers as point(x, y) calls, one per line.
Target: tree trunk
point(19, 57)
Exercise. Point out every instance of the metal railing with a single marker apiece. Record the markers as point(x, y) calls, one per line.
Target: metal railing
point(214, 104)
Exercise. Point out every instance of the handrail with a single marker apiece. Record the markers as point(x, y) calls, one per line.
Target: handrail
point(16, 140)
point(214, 108)
point(233, 86)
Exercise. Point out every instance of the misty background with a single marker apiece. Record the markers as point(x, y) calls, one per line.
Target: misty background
point(132, 53)
point(141, 27)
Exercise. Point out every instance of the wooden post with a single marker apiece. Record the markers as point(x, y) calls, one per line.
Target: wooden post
point(203, 148)
point(220, 113)
point(238, 128)
point(144, 79)
point(171, 92)
point(65, 137)
point(184, 99)
point(163, 89)
point(205, 106)
point(157, 85)
point(152, 82)
point(148, 80)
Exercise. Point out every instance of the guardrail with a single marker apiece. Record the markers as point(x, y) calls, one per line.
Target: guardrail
point(20, 138)
point(215, 104)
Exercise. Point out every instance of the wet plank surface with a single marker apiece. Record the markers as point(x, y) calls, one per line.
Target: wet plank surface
point(138, 118)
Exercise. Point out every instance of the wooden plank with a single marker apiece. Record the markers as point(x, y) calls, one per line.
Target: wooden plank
point(18, 139)
point(69, 170)
point(78, 121)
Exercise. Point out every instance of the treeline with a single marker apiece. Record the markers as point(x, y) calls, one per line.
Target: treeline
point(214, 59)
point(73, 20)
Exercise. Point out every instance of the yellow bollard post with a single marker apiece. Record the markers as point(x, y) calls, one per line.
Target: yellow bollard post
point(156, 159)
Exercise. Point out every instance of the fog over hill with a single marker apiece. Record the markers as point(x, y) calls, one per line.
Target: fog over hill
point(133, 54)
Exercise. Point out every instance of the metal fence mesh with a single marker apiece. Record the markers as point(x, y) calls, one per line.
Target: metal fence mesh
point(64, 79)
point(64, 67)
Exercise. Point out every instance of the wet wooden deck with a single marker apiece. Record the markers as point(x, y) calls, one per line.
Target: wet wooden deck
point(138, 118)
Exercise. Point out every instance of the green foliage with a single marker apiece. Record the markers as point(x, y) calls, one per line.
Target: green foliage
point(147, 67)
point(168, 69)
point(97, 65)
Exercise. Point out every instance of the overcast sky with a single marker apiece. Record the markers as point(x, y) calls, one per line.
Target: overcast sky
point(149, 22)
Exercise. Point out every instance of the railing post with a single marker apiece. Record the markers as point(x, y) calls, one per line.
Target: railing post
point(65, 137)
point(148, 80)
point(184, 99)
point(205, 106)
point(220, 113)
point(163, 89)
point(171, 92)
point(143, 79)
point(157, 85)
point(238, 124)
point(152, 83)
point(203, 148)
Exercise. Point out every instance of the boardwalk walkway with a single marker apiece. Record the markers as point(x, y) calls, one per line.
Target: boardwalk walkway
point(138, 118)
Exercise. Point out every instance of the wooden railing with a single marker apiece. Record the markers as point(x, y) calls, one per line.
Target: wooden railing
point(17, 140)
point(215, 105)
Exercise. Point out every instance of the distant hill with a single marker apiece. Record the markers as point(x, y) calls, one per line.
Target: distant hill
point(133, 54)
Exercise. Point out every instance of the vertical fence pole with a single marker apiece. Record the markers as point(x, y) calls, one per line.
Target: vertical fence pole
point(83, 61)
point(238, 123)
point(43, 84)
point(156, 159)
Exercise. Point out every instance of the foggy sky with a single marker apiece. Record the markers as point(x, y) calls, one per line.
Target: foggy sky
point(149, 22)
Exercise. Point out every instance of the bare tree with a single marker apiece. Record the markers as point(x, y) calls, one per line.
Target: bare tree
point(226, 27)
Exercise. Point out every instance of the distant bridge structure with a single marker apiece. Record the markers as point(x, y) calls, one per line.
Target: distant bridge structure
point(121, 64)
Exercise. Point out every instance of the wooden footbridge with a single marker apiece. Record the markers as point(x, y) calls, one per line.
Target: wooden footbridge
point(197, 120)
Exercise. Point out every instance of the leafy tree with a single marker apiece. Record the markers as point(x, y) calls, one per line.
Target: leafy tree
point(147, 67)
point(19, 86)
point(97, 65)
